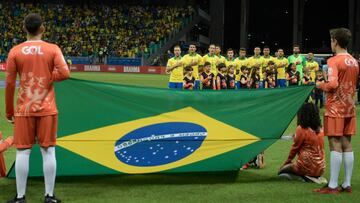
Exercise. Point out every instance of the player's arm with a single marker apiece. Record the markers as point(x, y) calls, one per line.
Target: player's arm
point(4, 145)
point(11, 72)
point(218, 82)
point(214, 84)
point(288, 76)
point(204, 81)
point(61, 70)
point(170, 68)
point(296, 146)
point(333, 82)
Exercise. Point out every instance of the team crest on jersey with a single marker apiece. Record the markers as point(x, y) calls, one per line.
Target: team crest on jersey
point(160, 144)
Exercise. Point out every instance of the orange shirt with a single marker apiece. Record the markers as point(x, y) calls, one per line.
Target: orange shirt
point(309, 147)
point(39, 64)
point(340, 90)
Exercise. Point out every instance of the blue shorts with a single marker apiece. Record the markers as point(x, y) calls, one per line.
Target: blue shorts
point(176, 85)
point(197, 85)
point(261, 84)
point(237, 84)
point(281, 83)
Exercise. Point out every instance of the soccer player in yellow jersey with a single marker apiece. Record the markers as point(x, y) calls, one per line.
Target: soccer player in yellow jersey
point(257, 61)
point(240, 62)
point(193, 59)
point(266, 58)
point(221, 58)
point(175, 67)
point(312, 66)
point(230, 59)
point(281, 64)
point(211, 58)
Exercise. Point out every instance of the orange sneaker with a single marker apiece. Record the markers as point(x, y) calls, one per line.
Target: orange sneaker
point(245, 166)
point(347, 189)
point(327, 190)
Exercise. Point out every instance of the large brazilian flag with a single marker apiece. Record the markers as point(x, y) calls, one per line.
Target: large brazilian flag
point(116, 129)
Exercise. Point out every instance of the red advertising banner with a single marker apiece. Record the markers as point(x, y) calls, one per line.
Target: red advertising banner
point(118, 69)
point(111, 69)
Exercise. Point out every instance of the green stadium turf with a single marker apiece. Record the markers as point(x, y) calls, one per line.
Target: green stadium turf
point(252, 185)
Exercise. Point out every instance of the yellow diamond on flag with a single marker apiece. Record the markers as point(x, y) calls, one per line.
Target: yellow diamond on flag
point(157, 143)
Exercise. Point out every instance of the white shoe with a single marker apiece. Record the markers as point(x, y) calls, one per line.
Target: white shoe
point(320, 180)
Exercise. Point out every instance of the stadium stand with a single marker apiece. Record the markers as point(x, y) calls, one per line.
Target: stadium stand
point(96, 30)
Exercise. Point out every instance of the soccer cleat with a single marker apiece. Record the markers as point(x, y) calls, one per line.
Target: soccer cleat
point(327, 190)
point(17, 200)
point(347, 189)
point(51, 199)
point(319, 180)
point(290, 176)
point(259, 163)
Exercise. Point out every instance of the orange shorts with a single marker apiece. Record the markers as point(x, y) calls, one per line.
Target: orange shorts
point(339, 126)
point(42, 128)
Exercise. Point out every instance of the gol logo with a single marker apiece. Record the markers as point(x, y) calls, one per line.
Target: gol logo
point(159, 144)
point(32, 50)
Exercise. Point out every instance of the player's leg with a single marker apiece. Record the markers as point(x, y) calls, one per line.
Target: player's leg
point(290, 173)
point(348, 154)
point(333, 128)
point(24, 139)
point(180, 85)
point(47, 129)
point(335, 160)
point(197, 85)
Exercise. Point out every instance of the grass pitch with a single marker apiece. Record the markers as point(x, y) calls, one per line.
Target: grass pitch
point(252, 185)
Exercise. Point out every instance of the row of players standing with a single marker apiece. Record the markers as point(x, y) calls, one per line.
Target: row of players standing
point(214, 71)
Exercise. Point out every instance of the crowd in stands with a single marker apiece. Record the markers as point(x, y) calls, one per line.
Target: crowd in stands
point(94, 29)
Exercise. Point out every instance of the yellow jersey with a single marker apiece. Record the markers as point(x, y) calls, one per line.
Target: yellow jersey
point(266, 61)
point(191, 58)
point(231, 62)
point(213, 60)
point(177, 74)
point(256, 61)
point(313, 66)
point(281, 65)
point(239, 63)
point(221, 59)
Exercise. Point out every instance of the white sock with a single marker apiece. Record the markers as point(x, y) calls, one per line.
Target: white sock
point(335, 164)
point(22, 170)
point(49, 168)
point(349, 163)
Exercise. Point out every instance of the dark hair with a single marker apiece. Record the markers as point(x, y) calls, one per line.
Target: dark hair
point(207, 63)
point(193, 43)
point(221, 65)
point(341, 35)
point(230, 49)
point(253, 72)
point(266, 47)
point(243, 68)
point(308, 117)
point(188, 68)
point(319, 71)
point(32, 23)
point(296, 45)
point(289, 67)
point(271, 63)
